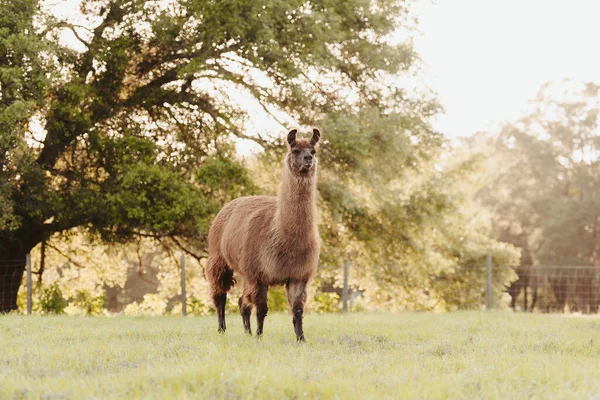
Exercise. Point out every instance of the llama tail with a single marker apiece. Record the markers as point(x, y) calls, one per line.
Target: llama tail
point(226, 280)
point(220, 275)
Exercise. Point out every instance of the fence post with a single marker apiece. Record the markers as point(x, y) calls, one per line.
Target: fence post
point(29, 284)
point(488, 283)
point(345, 291)
point(183, 296)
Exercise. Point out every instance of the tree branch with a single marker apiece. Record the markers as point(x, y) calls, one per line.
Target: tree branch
point(65, 24)
point(258, 92)
point(77, 264)
point(72, 28)
point(189, 252)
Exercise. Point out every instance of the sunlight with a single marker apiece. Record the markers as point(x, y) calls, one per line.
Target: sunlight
point(488, 59)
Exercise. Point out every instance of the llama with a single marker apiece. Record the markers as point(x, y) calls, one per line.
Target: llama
point(269, 240)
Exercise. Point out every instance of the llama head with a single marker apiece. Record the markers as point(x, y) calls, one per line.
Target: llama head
point(301, 158)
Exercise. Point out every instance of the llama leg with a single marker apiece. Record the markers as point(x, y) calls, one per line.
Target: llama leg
point(221, 280)
point(261, 306)
point(245, 304)
point(220, 299)
point(245, 311)
point(296, 294)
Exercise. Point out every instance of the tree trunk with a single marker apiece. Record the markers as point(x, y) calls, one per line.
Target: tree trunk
point(14, 246)
point(11, 275)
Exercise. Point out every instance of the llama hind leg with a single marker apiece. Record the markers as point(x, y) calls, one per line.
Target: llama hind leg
point(246, 311)
point(246, 303)
point(296, 294)
point(261, 306)
point(220, 300)
point(221, 280)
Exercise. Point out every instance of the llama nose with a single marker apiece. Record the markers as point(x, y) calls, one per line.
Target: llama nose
point(308, 158)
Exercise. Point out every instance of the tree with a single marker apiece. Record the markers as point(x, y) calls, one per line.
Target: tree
point(137, 126)
point(545, 172)
point(545, 196)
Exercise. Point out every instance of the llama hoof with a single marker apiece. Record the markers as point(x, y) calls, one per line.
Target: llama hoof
point(300, 339)
point(221, 330)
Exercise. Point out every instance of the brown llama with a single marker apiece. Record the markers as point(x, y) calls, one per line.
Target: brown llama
point(269, 240)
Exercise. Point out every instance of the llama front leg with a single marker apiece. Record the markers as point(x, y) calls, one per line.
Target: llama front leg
point(261, 306)
point(296, 294)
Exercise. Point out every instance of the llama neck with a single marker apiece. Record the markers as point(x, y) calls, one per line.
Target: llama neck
point(296, 205)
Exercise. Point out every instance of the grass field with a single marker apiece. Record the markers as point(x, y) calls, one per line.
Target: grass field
point(408, 355)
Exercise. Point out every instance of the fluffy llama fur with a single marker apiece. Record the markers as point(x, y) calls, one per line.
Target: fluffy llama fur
point(269, 240)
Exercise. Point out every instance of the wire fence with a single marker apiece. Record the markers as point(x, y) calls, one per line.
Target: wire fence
point(556, 288)
point(540, 288)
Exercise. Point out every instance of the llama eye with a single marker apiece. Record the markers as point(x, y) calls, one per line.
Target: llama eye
point(296, 151)
point(312, 152)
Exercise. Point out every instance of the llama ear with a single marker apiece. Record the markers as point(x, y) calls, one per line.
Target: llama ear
point(291, 137)
point(315, 137)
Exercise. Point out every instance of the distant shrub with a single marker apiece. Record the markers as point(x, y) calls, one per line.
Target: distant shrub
point(359, 304)
point(277, 299)
point(91, 305)
point(231, 306)
point(21, 300)
point(152, 304)
point(196, 306)
point(52, 300)
point(326, 302)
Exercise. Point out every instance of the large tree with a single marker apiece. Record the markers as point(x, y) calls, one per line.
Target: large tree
point(124, 136)
point(133, 134)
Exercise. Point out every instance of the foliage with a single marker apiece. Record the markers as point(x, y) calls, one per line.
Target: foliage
point(151, 305)
point(132, 137)
point(52, 300)
point(407, 224)
point(277, 299)
point(131, 132)
point(91, 305)
point(326, 303)
point(544, 176)
point(139, 115)
point(196, 307)
point(24, 81)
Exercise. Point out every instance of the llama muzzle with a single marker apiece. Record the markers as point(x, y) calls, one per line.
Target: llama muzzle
point(306, 166)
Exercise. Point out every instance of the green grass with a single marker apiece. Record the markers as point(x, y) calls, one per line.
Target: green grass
point(407, 355)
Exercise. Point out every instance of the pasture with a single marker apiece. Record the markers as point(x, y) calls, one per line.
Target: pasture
point(404, 355)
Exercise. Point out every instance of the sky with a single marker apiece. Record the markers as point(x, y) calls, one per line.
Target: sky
point(487, 58)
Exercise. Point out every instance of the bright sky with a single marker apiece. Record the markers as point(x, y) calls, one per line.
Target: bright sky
point(487, 58)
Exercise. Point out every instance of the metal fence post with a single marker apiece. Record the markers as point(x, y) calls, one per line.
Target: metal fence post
point(345, 291)
point(29, 284)
point(488, 285)
point(183, 295)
